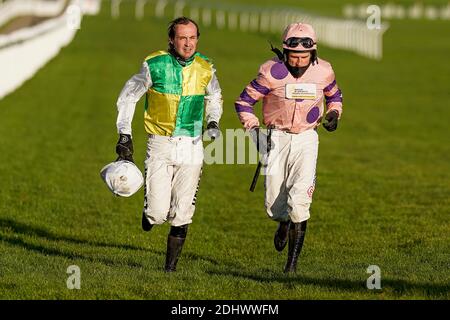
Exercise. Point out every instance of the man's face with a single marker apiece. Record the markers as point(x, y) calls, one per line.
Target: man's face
point(185, 40)
point(299, 59)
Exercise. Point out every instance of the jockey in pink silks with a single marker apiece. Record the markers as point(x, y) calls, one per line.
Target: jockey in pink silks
point(292, 87)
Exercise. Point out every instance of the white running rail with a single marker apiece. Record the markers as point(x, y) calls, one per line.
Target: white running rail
point(25, 51)
point(346, 34)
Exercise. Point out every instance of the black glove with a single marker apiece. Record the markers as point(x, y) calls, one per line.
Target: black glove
point(332, 118)
point(124, 148)
point(213, 131)
point(261, 140)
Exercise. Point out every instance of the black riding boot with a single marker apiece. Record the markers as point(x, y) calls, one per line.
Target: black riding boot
point(296, 236)
point(175, 242)
point(281, 235)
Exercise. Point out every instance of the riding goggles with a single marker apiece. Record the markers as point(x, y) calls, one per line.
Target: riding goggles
point(293, 42)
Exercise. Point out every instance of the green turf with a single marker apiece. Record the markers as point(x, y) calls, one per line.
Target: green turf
point(382, 194)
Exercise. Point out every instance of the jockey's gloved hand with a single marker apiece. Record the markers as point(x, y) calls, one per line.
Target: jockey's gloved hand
point(124, 148)
point(261, 140)
point(212, 129)
point(332, 118)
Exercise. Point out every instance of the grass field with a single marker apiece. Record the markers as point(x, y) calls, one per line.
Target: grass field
point(382, 194)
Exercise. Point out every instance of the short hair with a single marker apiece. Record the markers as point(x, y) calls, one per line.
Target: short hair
point(180, 20)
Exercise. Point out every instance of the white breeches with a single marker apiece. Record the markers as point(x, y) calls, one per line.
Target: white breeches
point(290, 175)
point(172, 173)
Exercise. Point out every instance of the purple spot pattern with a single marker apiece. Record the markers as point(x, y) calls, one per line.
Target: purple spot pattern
point(279, 71)
point(313, 115)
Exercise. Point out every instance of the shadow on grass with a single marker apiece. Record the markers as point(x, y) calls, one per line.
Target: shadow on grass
point(21, 228)
point(32, 231)
point(66, 254)
point(394, 286)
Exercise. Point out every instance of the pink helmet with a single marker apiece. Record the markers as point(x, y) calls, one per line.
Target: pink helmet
point(299, 37)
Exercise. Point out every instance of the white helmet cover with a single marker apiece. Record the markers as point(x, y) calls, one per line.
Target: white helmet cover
point(123, 178)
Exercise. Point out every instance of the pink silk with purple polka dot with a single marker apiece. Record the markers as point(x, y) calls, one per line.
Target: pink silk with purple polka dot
point(292, 115)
